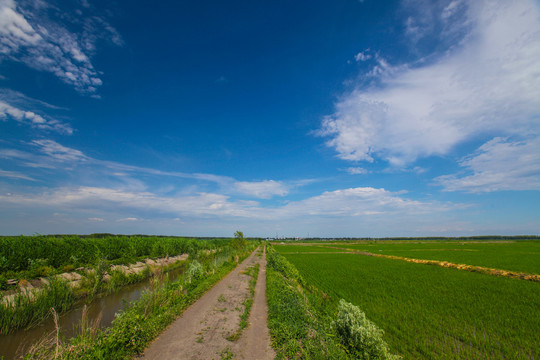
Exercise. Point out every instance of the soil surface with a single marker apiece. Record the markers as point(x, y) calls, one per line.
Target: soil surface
point(255, 342)
point(202, 330)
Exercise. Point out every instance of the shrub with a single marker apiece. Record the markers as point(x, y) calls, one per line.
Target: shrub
point(360, 336)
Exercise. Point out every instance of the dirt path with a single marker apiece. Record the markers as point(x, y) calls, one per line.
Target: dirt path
point(201, 332)
point(255, 342)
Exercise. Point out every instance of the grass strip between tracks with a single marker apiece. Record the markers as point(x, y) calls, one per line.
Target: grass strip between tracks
point(253, 272)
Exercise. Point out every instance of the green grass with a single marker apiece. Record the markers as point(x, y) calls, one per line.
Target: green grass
point(431, 312)
point(301, 248)
point(27, 310)
point(522, 256)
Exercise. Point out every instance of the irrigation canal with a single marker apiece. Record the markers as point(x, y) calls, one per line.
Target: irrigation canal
point(103, 309)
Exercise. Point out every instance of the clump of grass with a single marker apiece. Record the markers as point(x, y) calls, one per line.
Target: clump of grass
point(195, 271)
point(93, 280)
point(226, 354)
point(31, 307)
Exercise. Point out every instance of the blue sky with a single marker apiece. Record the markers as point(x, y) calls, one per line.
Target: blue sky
point(342, 118)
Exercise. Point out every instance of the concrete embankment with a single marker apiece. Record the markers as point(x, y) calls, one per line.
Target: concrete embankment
point(75, 278)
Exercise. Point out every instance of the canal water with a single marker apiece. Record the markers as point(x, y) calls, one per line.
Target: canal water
point(16, 344)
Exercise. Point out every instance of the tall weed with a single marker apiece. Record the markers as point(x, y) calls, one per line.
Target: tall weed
point(31, 307)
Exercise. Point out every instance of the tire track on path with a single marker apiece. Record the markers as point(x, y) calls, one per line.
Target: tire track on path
point(201, 331)
point(255, 342)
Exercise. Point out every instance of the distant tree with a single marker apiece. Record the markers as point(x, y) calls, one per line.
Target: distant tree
point(239, 242)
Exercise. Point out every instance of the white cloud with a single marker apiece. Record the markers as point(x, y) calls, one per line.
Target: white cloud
point(81, 198)
point(362, 56)
point(489, 84)
point(97, 219)
point(362, 201)
point(343, 203)
point(262, 189)
point(15, 175)
point(357, 171)
point(14, 28)
point(499, 164)
point(28, 36)
point(16, 106)
point(54, 154)
point(59, 152)
point(128, 219)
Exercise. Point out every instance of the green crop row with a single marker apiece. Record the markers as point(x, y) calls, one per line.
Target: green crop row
point(433, 312)
point(33, 256)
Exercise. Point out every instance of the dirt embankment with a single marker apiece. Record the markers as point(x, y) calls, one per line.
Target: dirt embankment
point(202, 331)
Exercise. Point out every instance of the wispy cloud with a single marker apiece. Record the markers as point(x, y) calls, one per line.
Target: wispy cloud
point(128, 219)
point(138, 199)
point(445, 20)
point(486, 83)
point(354, 202)
point(91, 198)
point(357, 171)
point(363, 56)
point(362, 201)
point(47, 153)
point(499, 164)
point(262, 189)
point(59, 152)
point(29, 35)
point(16, 106)
point(15, 175)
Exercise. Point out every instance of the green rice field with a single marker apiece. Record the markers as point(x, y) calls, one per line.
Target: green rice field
point(430, 312)
point(522, 256)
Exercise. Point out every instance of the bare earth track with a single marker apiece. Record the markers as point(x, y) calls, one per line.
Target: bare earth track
point(202, 330)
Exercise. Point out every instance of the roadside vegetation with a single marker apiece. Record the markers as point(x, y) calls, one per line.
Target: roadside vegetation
point(141, 321)
point(432, 312)
point(306, 323)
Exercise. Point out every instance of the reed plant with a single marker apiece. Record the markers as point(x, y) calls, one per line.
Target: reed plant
point(29, 307)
